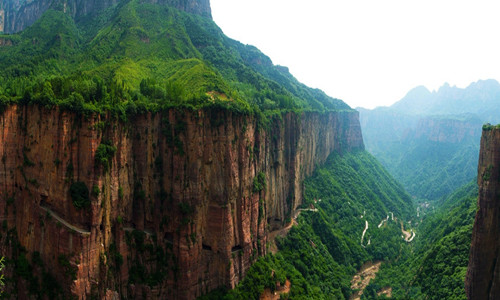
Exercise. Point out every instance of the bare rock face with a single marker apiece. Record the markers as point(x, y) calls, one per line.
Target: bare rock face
point(483, 274)
point(179, 202)
point(15, 15)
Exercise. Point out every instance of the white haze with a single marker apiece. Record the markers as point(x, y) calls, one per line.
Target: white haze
point(370, 53)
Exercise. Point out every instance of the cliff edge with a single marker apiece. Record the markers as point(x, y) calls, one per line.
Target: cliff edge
point(483, 274)
point(168, 205)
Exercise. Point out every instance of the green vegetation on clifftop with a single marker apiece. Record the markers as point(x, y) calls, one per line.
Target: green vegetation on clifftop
point(137, 57)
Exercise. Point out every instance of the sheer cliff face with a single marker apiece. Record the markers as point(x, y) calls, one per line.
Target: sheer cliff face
point(16, 15)
point(181, 209)
point(483, 274)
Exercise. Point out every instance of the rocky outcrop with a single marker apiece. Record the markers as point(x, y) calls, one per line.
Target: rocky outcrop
point(179, 201)
point(21, 14)
point(483, 274)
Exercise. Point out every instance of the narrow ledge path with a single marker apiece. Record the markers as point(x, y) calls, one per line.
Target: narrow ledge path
point(64, 222)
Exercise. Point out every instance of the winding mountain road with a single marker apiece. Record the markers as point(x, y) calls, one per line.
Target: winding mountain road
point(363, 235)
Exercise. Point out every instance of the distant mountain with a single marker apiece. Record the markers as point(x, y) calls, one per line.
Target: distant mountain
point(416, 101)
point(481, 98)
point(429, 141)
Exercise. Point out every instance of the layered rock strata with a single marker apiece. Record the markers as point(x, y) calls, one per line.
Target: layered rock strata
point(483, 273)
point(181, 202)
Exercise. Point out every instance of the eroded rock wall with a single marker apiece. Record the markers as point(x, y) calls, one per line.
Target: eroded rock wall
point(179, 209)
point(483, 274)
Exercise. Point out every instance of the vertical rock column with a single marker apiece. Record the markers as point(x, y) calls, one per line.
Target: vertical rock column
point(483, 274)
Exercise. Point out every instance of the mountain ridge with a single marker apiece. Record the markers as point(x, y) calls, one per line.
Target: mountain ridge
point(481, 97)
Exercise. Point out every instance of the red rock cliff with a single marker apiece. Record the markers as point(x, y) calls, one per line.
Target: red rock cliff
point(184, 206)
point(483, 274)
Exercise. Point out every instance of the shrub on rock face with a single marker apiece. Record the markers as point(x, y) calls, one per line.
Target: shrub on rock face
point(96, 191)
point(79, 194)
point(259, 182)
point(103, 155)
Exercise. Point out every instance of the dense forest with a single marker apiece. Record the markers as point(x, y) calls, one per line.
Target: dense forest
point(321, 254)
point(430, 169)
point(436, 266)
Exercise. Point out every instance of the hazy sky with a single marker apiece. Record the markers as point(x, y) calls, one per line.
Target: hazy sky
point(371, 53)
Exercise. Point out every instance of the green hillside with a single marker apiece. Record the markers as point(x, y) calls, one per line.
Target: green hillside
point(136, 56)
point(432, 169)
point(431, 156)
point(320, 254)
point(436, 267)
